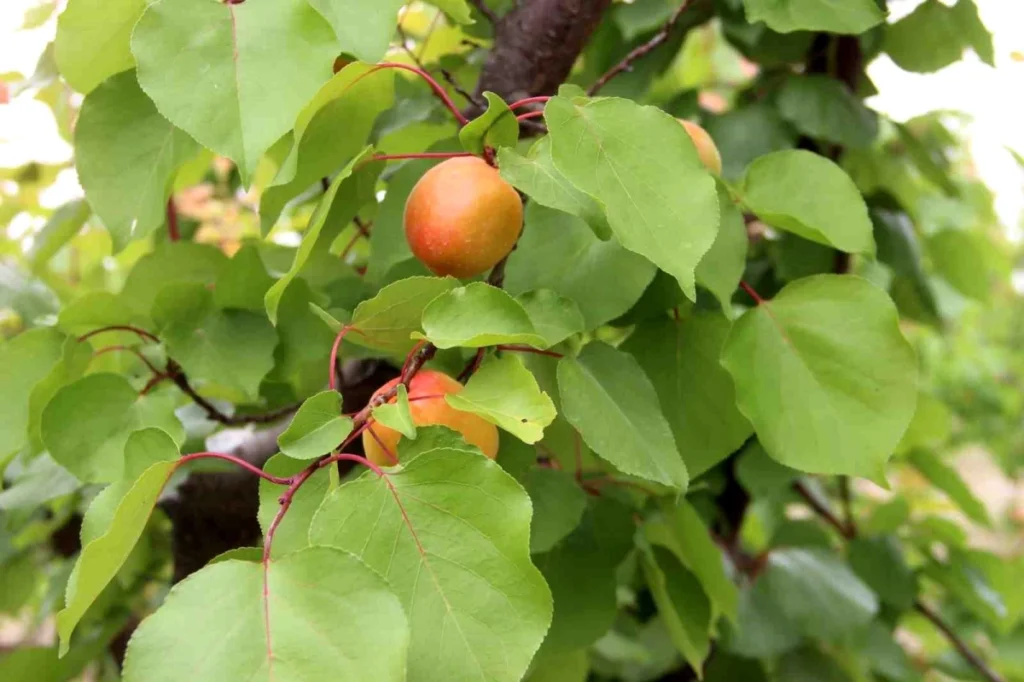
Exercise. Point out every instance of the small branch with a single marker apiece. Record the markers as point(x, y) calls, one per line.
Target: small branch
point(421, 155)
point(497, 276)
point(627, 62)
point(465, 94)
point(846, 495)
point(529, 115)
point(173, 233)
point(332, 379)
point(142, 333)
point(539, 99)
point(751, 292)
point(965, 650)
point(823, 511)
point(434, 85)
point(176, 374)
point(518, 348)
point(133, 351)
point(235, 460)
point(473, 366)
point(485, 10)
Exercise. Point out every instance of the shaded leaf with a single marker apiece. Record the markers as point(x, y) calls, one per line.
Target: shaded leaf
point(682, 604)
point(558, 506)
point(879, 562)
point(834, 16)
point(826, 109)
point(25, 360)
point(948, 480)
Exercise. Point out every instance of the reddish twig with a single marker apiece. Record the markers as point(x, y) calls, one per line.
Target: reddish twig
point(120, 328)
point(152, 383)
point(627, 62)
point(332, 379)
point(751, 292)
point(472, 366)
point(434, 85)
point(528, 115)
point(173, 233)
point(518, 348)
point(133, 351)
point(238, 461)
point(539, 99)
point(420, 155)
point(578, 455)
point(176, 374)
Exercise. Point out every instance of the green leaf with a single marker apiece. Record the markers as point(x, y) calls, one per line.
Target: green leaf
point(87, 424)
point(975, 33)
point(825, 108)
point(970, 587)
point(830, 344)
point(834, 16)
point(25, 360)
point(233, 349)
point(571, 667)
point(721, 268)
point(745, 133)
point(60, 228)
point(239, 84)
point(127, 155)
point(171, 263)
point(683, 533)
point(879, 562)
point(762, 476)
point(948, 480)
point(332, 128)
point(243, 282)
point(819, 593)
point(266, 618)
point(927, 39)
point(931, 426)
point(388, 320)
point(364, 29)
point(457, 10)
point(554, 316)
point(785, 188)
point(643, 168)
point(93, 39)
point(962, 260)
point(761, 630)
point(396, 415)
point(536, 176)
point(559, 252)
point(38, 482)
point(580, 571)
point(681, 358)
point(475, 316)
point(450, 533)
point(292, 533)
point(810, 665)
point(506, 394)
point(899, 249)
point(131, 503)
point(558, 506)
point(311, 237)
point(682, 604)
point(608, 399)
point(317, 428)
point(495, 128)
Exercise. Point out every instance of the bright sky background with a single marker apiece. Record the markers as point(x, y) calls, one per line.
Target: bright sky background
point(993, 97)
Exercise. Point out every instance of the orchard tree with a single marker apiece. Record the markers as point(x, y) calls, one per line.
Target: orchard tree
point(556, 340)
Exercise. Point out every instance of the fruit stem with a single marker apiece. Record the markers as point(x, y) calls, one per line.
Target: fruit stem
point(530, 114)
point(332, 379)
point(434, 85)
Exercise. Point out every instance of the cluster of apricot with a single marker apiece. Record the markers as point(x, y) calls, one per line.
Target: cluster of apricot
point(461, 219)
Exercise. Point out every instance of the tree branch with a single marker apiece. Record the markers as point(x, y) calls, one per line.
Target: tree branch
point(825, 512)
point(627, 62)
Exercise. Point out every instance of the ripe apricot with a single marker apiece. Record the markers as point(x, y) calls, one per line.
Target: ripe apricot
point(706, 149)
point(428, 411)
point(461, 218)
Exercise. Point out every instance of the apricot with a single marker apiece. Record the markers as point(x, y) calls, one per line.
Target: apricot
point(706, 149)
point(429, 411)
point(461, 218)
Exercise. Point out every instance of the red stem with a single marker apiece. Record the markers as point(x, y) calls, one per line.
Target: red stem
point(236, 460)
point(121, 328)
point(411, 355)
point(172, 221)
point(332, 379)
point(516, 348)
point(434, 85)
point(753, 294)
point(529, 100)
point(153, 382)
point(527, 116)
point(421, 155)
point(133, 351)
